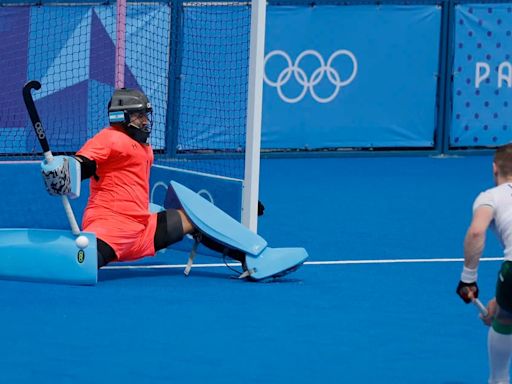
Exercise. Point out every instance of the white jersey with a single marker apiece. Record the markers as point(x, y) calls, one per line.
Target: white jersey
point(500, 200)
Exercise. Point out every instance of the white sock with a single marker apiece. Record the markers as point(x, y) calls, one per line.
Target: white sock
point(499, 347)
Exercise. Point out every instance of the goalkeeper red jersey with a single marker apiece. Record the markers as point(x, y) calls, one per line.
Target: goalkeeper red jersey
point(117, 209)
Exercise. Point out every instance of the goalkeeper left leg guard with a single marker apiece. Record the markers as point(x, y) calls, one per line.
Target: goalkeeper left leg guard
point(222, 232)
point(47, 255)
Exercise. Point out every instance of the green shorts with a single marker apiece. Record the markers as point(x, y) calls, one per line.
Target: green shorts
point(504, 286)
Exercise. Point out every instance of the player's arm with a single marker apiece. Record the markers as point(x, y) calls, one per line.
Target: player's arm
point(94, 152)
point(474, 243)
point(63, 177)
point(87, 167)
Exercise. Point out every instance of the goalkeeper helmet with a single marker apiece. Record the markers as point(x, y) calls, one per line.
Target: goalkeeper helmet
point(131, 109)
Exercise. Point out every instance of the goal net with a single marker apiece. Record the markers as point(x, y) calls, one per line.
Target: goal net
point(190, 58)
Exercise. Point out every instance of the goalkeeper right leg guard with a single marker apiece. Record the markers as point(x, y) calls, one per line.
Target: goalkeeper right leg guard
point(222, 233)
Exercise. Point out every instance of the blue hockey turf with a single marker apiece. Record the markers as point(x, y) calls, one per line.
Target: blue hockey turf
point(376, 302)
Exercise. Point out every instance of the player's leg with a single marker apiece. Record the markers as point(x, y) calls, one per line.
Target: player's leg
point(499, 348)
point(105, 253)
point(499, 341)
point(173, 224)
point(214, 245)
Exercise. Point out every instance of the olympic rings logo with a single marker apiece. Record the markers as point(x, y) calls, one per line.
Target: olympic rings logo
point(309, 83)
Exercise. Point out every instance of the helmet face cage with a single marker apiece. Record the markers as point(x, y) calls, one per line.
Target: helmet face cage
point(127, 103)
point(142, 120)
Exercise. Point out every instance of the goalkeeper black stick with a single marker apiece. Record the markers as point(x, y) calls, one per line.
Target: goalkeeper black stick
point(41, 136)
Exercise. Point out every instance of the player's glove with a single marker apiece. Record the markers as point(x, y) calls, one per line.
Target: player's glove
point(62, 176)
point(464, 290)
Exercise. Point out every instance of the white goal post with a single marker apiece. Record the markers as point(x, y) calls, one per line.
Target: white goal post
point(254, 111)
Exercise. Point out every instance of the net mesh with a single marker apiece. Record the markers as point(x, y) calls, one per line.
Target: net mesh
point(190, 58)
point(71, 50)
point(211, 66)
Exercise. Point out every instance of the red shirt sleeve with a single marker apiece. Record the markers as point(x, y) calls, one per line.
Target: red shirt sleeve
point(98, 148)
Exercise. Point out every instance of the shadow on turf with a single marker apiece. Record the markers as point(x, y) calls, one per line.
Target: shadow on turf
point(119, 274)
point(135, 273)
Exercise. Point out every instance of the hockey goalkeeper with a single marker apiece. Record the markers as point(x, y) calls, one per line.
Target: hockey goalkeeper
point(118, 160)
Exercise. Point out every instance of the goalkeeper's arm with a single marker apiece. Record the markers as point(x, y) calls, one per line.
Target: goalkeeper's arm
point(87, 167)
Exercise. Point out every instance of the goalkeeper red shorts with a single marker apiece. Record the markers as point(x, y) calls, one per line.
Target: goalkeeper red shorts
point(130, 239)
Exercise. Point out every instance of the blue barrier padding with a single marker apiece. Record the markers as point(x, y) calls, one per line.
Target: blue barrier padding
point(26, 204)
point(225, 193)
point(47, 256)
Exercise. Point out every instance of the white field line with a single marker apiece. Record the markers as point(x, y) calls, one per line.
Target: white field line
point(333, 262)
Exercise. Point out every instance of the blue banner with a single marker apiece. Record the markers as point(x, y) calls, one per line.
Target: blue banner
point(482, 76)
point(351, 76)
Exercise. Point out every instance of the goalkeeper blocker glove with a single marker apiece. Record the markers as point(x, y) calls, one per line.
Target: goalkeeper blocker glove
point(62, 176)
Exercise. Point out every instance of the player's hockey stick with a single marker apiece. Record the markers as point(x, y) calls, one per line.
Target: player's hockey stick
point(480, 307)
point(477, 303)
point(41, 136)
